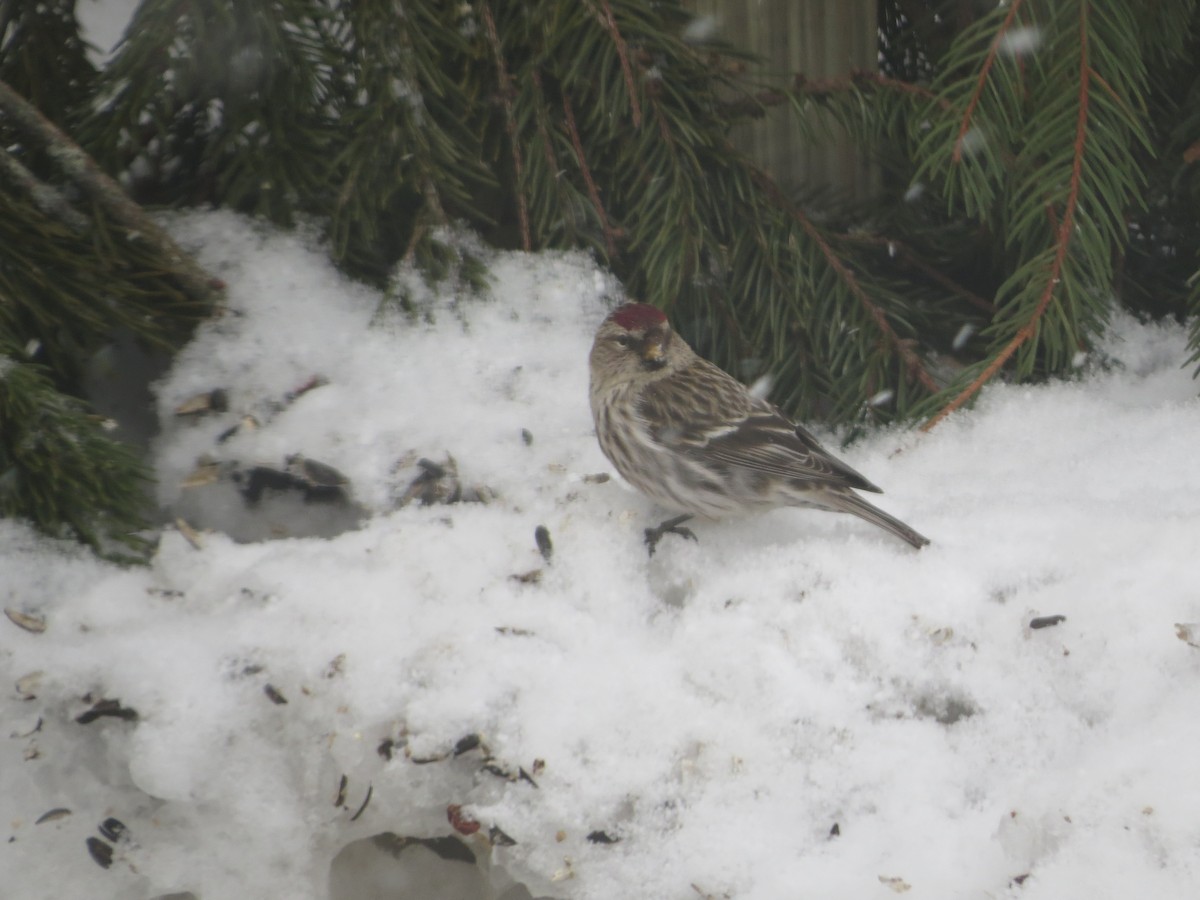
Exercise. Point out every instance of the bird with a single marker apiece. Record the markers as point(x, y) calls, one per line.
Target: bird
point(695, 440)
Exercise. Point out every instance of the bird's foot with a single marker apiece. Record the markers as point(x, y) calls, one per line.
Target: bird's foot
point(671, 526)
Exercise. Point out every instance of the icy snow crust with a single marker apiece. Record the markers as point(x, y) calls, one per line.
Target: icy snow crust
point(795, 706)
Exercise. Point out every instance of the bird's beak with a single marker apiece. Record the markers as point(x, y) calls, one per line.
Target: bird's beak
point(653, 355)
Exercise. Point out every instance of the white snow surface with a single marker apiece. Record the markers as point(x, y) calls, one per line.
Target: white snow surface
point(717, 709)
point(103, 24)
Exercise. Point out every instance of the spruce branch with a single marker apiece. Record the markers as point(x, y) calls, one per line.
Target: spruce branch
point(542, 126)
point(1194, 332)
point(557, 206)
point(981, 82)
point(858, 79)
point(861, 77)
point(755, 105)
point(88, 177)
point(913, 363)
point(1064, 233)
point(59, 469)
point(505, 90)
point(45, 197)
point(911, 258)
point(610, 23)
point(610, 243)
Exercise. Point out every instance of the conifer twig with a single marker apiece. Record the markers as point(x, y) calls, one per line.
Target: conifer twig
point(913, 259)
point(867, 76)
point(610, 243)
point(969, 113)
point(912, 360)
point(610, 22)
point(543, 132)
point(754, 105)
point(1065, 230)
point(101, 189)
point(510, 125)
point(44, 196)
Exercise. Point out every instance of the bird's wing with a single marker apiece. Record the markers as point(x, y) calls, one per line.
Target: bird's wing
point(710, 415)
point(768, 442)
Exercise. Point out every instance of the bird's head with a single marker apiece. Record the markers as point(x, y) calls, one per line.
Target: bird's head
point(634, 343)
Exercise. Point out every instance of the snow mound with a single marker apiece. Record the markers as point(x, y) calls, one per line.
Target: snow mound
point(426, 704)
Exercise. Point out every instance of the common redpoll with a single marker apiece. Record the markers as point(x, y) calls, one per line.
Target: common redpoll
point(694, 439)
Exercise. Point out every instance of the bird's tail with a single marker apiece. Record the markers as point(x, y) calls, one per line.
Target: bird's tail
point(856, 505)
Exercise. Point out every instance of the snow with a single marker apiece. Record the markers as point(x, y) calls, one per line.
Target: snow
point(796, 705)
point(1020, 41)
point(103, 23)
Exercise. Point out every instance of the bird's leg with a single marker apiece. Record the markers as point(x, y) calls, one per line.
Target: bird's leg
point(671, 526)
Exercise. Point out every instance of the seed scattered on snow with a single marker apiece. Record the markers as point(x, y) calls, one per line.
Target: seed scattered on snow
point(113, 829)
point(1189, 632)
point(499, 838)
point(190, 534)
point(541, 536)
point(896, 883)
point(274, 695)
point(363, 807)
point(107, 708)
point(205, 473)
point(31, 623)
point(216, 400)
point(467, 744)
point(27, 687)
point(101, 852)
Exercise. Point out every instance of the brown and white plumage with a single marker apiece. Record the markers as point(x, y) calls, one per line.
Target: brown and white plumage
point(694, 439)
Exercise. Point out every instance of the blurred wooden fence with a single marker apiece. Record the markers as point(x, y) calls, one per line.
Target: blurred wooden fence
point(819, 38)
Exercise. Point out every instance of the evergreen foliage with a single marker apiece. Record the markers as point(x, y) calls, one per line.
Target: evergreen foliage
point(1039, 163)
point(1030, 132)
point(1038, 137)
point(43, 57)
point(77, 262)
point(58, 468)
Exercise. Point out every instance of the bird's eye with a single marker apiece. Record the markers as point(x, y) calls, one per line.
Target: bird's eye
point(625, 340)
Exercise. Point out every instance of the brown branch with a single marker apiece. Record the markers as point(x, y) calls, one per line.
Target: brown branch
point(956, 156)
point(1063, 239)
point(1112, 92)
point(106, 193)
point(664, 130)
point(912, 361)
point(510, 124)
point(865, 76)
point(44, 196)
point(911, 257)
point(754, 105)
point(610, 243)
point(859, 78)
point(1191, 154)
point(610, 22)
point(543, 131)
